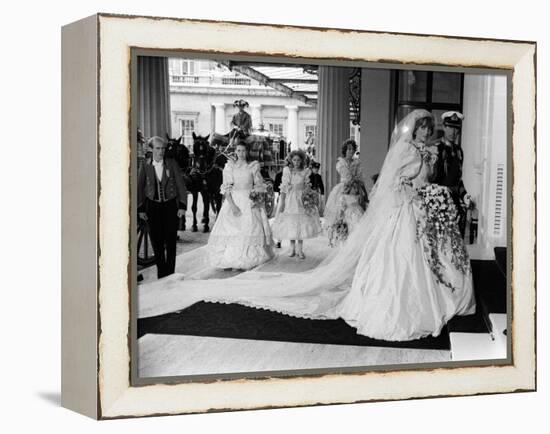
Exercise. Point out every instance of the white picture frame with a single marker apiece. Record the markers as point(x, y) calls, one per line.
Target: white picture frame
point(96, 261)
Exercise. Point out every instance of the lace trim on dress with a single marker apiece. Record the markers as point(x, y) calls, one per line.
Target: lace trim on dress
point(243, 257)
point(240, 240)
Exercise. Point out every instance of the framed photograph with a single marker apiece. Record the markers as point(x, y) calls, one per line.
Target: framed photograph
point(261, 216)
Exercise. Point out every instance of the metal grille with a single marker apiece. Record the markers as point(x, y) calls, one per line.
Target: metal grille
point(499, 201)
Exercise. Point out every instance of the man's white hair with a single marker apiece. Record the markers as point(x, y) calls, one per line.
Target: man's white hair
point(154, 139)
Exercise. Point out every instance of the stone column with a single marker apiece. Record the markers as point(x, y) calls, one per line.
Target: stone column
point(292, 127)
point(256, 114)
point(219, 125)
point(332, 119)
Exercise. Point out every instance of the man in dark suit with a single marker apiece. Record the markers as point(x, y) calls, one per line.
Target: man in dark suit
point(162, 200)
point(449, 163)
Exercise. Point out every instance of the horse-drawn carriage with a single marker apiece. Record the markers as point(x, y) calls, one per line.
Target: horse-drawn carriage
point(202, 172)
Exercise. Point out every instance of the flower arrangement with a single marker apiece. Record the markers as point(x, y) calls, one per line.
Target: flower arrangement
point(467, 202)
point(440, 230)
point(257, 198)
point(338, 231)
point(226, 188)
point(310, 200)
point(429, 157)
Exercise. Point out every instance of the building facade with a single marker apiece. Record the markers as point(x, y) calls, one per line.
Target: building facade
point(202, 94)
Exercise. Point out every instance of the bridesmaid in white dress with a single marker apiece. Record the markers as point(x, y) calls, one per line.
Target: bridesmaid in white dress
point(343, 200)
point(292, 221)
point(241, 237)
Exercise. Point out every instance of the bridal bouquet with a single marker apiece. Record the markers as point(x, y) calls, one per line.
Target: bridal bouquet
point(338, 232)
point(439, 228)
point(257, 198)
point(310, 200)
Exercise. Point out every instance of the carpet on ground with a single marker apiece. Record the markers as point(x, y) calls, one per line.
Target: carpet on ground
point(241, 322)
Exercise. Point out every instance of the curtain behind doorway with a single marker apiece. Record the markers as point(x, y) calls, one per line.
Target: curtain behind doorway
point(153, 96)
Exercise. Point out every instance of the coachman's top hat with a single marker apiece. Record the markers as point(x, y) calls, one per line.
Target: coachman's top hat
point(452, 119)
point(240, 103)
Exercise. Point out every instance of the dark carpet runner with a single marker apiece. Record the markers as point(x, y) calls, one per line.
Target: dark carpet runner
point(241, 322)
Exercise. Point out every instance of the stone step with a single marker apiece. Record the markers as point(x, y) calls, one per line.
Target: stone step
point(481, 346)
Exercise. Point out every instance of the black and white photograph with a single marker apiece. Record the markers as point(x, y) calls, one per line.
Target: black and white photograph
point(297, 216)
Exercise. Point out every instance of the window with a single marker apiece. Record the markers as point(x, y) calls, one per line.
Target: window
point(275, 128)
point(354, 133)
point(188, 67)
point(312, 128)
point(174, 67)
point(206, 65)
point(178, 67)
point(187, 127)
point(437, 92)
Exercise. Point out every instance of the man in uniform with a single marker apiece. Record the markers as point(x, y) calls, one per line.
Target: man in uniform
point(241, 122)
point(449, 164)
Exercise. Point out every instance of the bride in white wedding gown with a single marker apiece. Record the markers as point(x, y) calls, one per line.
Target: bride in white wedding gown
point(382, 281)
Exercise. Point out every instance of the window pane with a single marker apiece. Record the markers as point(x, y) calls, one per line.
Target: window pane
point(403, 111)
point(311, 128)
point(413, 86)
point(187, 128)
point(446, 87)
point(174, 66)
point(276, 128)
point(206, 65)
point(438, 130)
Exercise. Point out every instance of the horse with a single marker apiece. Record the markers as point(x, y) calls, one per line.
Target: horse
point(178, 152)
point(205, 178)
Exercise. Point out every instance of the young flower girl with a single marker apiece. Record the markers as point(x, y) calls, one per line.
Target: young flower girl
point(293, 222)
point(241, 237)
